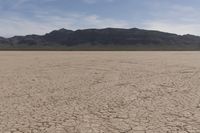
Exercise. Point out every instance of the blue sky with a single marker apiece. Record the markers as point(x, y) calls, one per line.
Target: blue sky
point(21, 17)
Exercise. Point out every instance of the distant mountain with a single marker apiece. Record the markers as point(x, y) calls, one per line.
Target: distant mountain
point(102, 39)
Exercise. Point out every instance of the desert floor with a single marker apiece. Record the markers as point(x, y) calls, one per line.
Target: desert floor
point(99, 92)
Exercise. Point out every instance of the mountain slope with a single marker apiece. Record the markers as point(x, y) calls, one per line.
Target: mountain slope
point(103, 39)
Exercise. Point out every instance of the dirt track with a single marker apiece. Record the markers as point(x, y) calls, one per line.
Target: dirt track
point(99, 92)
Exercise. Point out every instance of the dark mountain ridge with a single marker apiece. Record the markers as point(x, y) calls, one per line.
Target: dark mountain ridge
point(102, 39)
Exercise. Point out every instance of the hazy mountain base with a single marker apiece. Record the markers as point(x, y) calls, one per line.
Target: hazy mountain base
point(111, 47)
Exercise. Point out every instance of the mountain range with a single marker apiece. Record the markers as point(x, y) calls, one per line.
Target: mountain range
point(102, 39)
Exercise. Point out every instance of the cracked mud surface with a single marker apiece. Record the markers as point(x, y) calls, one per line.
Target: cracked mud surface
point(99, 92)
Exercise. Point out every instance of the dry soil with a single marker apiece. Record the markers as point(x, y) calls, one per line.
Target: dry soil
point(99, 92)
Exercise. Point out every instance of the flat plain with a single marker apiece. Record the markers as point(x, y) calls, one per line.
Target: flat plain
point(99, 92)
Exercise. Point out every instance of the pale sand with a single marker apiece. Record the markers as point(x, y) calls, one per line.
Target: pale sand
point(99, 92)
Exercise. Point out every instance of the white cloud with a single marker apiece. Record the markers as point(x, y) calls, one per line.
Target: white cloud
point(173, 27)
point(98, 22)
point(176, 19)
point(39, 21)
point(45, 22)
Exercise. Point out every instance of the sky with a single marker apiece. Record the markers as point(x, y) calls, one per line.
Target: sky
point(22, 17)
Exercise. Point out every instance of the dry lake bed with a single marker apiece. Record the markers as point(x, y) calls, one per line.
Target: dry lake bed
point(99, 92)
